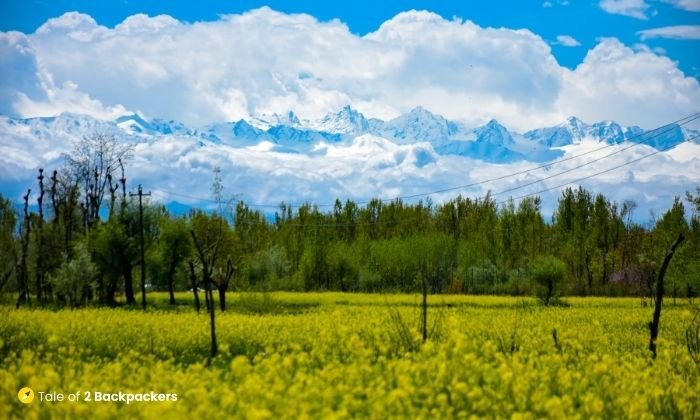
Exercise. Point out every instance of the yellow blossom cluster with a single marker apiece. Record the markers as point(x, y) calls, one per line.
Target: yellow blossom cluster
point(334, 355)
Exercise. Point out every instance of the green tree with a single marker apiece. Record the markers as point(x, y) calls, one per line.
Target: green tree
point(8, 241)
point(572, 222)
point(115, 252)
point(548, 272)
point(115, 247)
point(215, 247)
point(75, 278)
point(692, 251)
point(173, 248)
point(667, 229)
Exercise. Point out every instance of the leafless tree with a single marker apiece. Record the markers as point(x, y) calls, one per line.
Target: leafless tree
point(93, 163)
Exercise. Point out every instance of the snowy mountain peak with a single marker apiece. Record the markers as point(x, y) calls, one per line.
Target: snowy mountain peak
point(607, 131)
point(244, 129)
point(345, 121)
point(131, 118)
point(493, 133)
point(136, 124)
point(420, 125)
point(661, 138)
point(575, 121)
point(577, 127)
point(572, 131)
point(491, 142)
point(289, 119)
point(292, 119)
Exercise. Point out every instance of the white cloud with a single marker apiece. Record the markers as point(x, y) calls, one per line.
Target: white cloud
point(615, 80)
point(691, 32)
point(28, 88)
point(175, 168)
point(567, 41)
point(546, 4)
point(632, 8)
point(640, 47)
point(689, 5)
point(264, 62)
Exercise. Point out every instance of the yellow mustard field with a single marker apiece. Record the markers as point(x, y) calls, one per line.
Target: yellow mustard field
point(334, 355)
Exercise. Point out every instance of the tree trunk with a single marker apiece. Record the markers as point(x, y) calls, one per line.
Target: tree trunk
point(206, 272)
point(223, 283)
point(6, 277)
point(212, 322)
point(129, 285)
point(22, 275)
point(654, 324)
point(206, 296)
point(425, 309)
point(171, 281)
point(107, 290)
point(604, 279)
point(193, 279)
point(222, 297)
point(589, 273)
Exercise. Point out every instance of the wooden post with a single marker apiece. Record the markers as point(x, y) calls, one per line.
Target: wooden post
point(140, 195)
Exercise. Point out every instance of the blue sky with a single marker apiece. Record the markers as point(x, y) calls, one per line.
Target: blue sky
point(585, 21)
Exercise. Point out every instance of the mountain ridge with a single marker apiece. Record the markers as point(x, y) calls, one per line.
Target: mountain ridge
point(491, 142)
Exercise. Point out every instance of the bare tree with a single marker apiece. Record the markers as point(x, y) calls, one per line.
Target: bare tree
point(654, 324)
point(93, 163)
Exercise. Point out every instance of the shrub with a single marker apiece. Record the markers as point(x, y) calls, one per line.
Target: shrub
point(548, 273)
point(74, 280)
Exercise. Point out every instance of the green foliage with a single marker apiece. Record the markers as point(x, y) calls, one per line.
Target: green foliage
point(265, 268)
point(115, 253)
point(463, 245)
point(173, 248)
point(74, 280)
point(397, 261)
point(692, 337)
point(8, 243)
point(548, 272)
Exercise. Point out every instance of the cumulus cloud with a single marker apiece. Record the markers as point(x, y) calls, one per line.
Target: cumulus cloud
point(27, 87)
point(616, 80)
point(19, 71)
point(632, 8)
point(265, 62)
point(567, 41)
point(691, 32)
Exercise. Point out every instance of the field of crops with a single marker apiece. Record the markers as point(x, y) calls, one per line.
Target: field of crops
point(329, 355)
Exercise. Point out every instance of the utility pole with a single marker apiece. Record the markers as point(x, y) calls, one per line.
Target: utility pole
point(140, 195)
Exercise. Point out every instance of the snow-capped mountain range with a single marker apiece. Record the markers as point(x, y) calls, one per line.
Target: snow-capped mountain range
point(491, 142)
point(344, 154)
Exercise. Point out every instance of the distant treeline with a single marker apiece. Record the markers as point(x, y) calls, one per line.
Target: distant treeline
point(67, 253)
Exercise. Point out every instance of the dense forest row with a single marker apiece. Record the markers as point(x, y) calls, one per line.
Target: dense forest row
point(83, 243)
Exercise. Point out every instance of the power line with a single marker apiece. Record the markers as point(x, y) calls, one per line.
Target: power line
point(567, 171)
point(656, 152)
point(558, 161)
point(399, 222)
point(668, 127)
